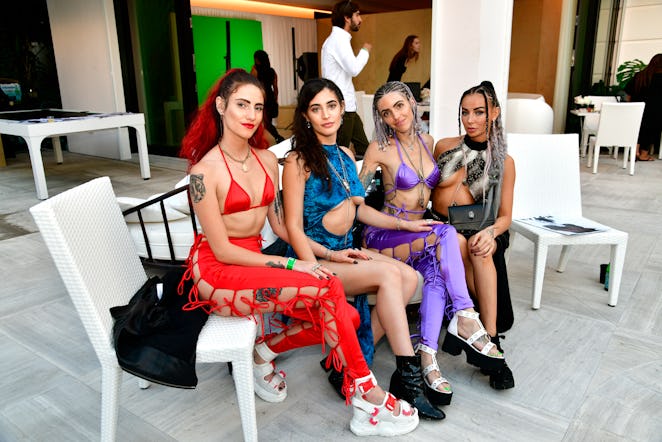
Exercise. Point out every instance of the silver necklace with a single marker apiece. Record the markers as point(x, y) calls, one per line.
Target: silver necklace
point(244, 167)
point(419, 172)
point(343, 180)
point(345, 184)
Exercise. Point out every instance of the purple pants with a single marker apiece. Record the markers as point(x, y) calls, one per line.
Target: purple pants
point(443, 276)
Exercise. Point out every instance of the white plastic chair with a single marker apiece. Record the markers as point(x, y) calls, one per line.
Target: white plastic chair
point(89, 241)
point(619, 126)
point(591, 120)
point(527, 116)
point(548, 184)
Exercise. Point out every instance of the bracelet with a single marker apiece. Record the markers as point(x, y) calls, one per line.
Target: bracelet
point(397, 223)
point(290, 263)
point(327, 255)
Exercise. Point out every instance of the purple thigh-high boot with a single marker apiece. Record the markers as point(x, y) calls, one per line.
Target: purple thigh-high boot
point(443, 277)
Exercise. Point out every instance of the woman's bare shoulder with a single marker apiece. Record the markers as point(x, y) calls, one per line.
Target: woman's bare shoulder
point(446, 144)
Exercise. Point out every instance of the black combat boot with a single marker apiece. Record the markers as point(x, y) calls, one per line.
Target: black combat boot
point(502, 378)
point(407, 383)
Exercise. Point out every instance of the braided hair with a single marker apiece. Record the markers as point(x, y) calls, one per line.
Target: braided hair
point(382, 130)
point(496, 143)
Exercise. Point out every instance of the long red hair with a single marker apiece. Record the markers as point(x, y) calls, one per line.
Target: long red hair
point(206, 129)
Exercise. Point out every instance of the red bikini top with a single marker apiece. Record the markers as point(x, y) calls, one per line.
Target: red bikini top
point(238, 200)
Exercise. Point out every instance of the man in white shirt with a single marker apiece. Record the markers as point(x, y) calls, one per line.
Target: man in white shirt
point(339, 64)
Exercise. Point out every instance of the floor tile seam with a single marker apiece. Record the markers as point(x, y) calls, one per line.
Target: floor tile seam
point(42, 355)
point(575, 314)
point(519, 408)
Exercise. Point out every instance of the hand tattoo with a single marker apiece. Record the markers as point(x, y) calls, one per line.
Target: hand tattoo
point(197, 188)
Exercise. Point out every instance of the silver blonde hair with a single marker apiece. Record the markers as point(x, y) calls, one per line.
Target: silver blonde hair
point(382, 130)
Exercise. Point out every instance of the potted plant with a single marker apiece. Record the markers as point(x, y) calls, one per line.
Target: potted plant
point(627, 70)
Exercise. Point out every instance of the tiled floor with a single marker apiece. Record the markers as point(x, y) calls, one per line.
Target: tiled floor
point(584, 371)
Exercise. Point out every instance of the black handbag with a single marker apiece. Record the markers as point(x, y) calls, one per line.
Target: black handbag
point(154, 338)
point(471, 217)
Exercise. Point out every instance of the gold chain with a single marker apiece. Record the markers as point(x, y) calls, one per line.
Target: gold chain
point(244, 167)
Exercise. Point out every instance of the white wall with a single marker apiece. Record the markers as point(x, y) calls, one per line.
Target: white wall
point(641, 31)
point(470, 43)
point(88, 68)
point(277, 42)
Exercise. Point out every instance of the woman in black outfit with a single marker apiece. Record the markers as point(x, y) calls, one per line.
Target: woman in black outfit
point(267, 75)
point(646, 86)
point(408, 52)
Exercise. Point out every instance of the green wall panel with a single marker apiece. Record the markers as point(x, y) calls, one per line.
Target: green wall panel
point(209, 46)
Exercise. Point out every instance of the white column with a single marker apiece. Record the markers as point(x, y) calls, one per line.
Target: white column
point(89, 70)
point(470, 43)
point(564, 63)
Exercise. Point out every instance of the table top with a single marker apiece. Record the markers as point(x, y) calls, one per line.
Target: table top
point(583, 112)
point(50, 122)
point(38, 114)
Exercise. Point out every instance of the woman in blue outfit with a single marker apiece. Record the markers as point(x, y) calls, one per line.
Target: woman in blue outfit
point(323, 196)
point(409, 174)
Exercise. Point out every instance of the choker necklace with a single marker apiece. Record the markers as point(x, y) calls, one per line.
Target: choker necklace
point(244, 167)
point(475, 145)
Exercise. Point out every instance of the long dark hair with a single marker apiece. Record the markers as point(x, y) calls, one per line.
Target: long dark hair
point(496, 143)
point(305, 141)
point(206, 128)
point(405, 52)
point(644, 78)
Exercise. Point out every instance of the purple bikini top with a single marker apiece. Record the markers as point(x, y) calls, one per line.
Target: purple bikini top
point(406, 178)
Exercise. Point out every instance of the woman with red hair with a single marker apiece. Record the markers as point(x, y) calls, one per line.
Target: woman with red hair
point(233, 193)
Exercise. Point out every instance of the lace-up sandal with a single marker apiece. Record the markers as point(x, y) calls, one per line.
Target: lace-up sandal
point(436, 396)
point(454, 343)
point(380, 419)
point(268, 391)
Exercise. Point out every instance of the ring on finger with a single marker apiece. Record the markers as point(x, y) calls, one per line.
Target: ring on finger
point(315, 267)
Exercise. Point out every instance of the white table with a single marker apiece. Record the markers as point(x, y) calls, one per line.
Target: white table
point(35, 129)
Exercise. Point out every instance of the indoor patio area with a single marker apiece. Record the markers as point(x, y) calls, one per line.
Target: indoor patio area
point(584, 371)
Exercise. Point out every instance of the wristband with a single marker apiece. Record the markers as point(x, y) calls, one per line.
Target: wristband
point(397, 223)
point(290, 263)
point(327, 255)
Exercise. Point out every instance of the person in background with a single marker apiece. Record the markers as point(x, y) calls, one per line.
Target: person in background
point(233, 193)
point(475, 168)
point(267, 75)
point(323, 196)
point(339, 64)
point(409, 174)
point(646, 86)
point(408, 53)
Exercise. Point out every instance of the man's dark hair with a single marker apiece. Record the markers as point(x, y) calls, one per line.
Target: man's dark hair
point(341, 10)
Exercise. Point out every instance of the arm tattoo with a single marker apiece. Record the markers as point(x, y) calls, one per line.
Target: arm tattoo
point(278, 207)
point(197, 188)
point(366, 179)
point(276, 264)
point(491, 232)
